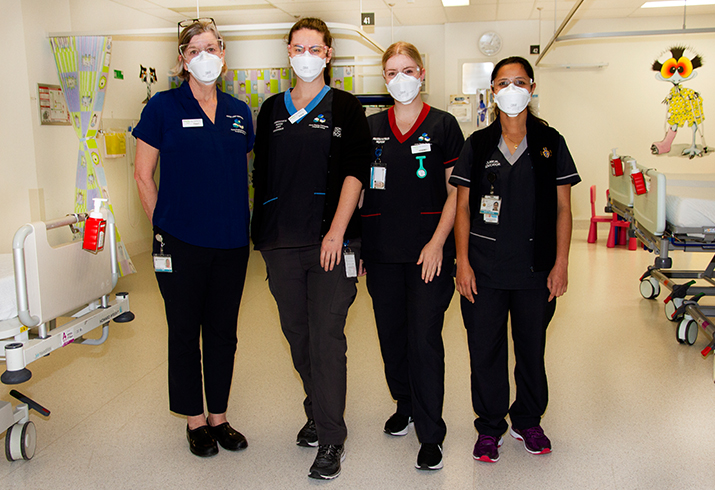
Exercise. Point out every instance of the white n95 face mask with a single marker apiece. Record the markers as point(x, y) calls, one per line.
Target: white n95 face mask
point(307, 66)
point(512, 100)
point(404, 88)
point(206, 67)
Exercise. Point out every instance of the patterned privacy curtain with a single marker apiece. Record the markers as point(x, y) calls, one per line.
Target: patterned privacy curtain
point(83, 67)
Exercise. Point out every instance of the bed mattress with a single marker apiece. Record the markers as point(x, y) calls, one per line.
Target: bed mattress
point(8, 302)
point(690, 202)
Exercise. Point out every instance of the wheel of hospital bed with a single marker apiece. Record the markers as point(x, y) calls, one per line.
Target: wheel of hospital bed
point(671, 307)
point(687, 332)
point(650, 288)
point(20, 441)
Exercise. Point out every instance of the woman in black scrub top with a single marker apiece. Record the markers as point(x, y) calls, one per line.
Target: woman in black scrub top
point(312, 157)
point(408, 248)
point(513, 233)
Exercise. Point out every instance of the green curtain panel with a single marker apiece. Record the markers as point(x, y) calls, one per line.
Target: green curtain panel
point(83, 68)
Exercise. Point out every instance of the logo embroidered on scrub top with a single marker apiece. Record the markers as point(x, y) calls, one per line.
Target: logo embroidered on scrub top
point(237, 124)
point(424, 138)
point(319, 119)
point(546, 153)
point(337, 132)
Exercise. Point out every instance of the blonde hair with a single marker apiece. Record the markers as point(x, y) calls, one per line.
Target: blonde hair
point(401, 47)
point(187, 34)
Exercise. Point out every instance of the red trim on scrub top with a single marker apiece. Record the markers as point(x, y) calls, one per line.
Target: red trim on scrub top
point(396, 131)
point(369, 215)
point(450, 161)
point(431, 212)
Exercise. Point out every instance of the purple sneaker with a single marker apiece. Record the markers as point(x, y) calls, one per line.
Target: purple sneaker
point(535, 441)
point(487, 448)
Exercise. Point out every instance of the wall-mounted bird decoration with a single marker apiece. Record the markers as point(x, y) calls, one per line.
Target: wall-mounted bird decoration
point(148, 76)
point(684, 105)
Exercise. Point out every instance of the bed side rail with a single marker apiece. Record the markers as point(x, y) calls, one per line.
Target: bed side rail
point(42, 272)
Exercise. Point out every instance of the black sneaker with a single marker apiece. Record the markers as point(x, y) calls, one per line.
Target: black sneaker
point(429, 457)
point(308, 435)
point(397, 425)
point(327, 463)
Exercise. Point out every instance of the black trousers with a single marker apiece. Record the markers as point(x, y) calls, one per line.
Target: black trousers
point(410, 315)
point(486, 323)
point(201, 298)
point(313, 305)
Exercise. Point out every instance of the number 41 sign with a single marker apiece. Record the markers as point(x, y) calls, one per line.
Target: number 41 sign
point(367, 18)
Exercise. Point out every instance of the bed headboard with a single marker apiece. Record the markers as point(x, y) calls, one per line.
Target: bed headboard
point(620, 188)
point(649, 208)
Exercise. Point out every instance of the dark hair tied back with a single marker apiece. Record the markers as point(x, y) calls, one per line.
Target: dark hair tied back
point(517, 60)
point(318, 25)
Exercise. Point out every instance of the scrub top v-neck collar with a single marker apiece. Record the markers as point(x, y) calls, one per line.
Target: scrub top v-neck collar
point(512, 158)
point(288, 101)
point(190, 94)
point(396, 131)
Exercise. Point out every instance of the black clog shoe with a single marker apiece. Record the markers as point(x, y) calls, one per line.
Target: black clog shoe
point(228, 437)
point(201, 442)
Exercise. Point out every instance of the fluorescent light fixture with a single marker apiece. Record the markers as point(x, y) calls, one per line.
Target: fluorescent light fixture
point(676, 3)
point(455, 3)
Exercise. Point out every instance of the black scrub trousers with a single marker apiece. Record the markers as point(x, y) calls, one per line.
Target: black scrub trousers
point(508, 291)
point(313, 306)
point(409, 315)
point(397, 223)
point(201, 298)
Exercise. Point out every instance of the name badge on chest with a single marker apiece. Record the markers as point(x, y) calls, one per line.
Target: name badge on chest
point(192, 123)
point(421, 148)
point(296, 117)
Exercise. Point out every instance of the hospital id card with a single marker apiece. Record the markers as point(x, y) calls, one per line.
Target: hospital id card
point(378, 175)
point(162, 263)
point(350, 263)
point(490, 208)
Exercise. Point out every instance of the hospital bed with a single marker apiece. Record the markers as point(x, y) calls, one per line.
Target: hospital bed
point(40, 283)
point(676, 213)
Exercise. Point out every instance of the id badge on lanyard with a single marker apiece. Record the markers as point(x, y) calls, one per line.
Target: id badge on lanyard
point(162, 261)
point(378, 172)
point(490, 205)
point(350, 262)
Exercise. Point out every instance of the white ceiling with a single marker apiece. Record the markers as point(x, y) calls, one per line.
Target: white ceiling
point(406, 12)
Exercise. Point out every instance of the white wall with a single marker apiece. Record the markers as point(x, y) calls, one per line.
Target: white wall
point(595, 109)
point(17, 146)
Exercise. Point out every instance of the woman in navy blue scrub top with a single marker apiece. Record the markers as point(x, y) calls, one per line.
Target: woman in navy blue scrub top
point(200, 217)
point(408, 248)
point(513, 233)
point(312, 158)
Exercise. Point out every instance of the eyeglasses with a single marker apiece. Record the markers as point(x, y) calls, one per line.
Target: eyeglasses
point(410, 71)
point(520, 82)
point(299, 49)
point(191, 50)
point(189, 22)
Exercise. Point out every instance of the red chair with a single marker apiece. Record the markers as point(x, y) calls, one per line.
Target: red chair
point(617, 225)
point(595, 219)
